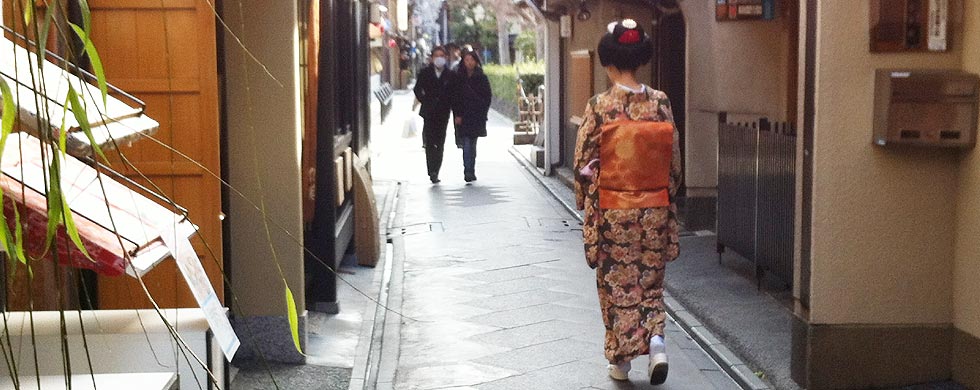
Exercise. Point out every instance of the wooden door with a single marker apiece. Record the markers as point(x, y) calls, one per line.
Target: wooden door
point(164, 52)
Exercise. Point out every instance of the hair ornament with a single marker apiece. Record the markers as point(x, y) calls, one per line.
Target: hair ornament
point(629, 23)
point(629, 37)
point(611, 27)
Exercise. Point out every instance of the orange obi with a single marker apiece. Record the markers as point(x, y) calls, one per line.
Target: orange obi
point(635, 161)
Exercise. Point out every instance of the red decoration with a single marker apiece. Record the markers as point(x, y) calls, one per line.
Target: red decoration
point(629, 37)
point(392, 44)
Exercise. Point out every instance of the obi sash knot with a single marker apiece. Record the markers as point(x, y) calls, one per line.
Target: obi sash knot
point(635, 158)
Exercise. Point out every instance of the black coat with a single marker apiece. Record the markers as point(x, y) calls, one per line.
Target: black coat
point(435, 93)
point(471, 101)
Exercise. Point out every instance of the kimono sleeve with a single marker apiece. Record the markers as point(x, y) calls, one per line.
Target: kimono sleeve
point(676, 174)
point(586, 149)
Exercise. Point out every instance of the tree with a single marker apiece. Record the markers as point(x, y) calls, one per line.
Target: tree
point(527, 43)
point(471, 23)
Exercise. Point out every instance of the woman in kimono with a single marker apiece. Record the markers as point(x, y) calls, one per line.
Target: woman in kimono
point(629, 242)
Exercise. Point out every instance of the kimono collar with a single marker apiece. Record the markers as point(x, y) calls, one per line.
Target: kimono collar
point(642, 89)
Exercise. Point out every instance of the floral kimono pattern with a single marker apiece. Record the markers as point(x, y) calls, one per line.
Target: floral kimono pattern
point(628, 248)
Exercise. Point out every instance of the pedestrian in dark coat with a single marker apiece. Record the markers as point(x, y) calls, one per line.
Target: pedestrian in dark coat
point(434, 89)
point(471, 103)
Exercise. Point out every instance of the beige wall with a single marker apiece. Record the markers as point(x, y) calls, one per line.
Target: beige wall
point(883, 220)
point(271, 36)
point(739, 67)
point(966, 289)
point(586, 36)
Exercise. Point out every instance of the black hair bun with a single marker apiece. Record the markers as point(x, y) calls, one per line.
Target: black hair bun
point(625, 46)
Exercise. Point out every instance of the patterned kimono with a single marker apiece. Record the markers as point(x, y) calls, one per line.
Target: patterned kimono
point(628, 248)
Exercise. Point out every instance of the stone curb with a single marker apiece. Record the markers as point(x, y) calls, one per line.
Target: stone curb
point(366, 355)
point(725, 358)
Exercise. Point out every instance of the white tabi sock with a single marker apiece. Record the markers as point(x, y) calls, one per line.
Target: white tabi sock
point(657, 344)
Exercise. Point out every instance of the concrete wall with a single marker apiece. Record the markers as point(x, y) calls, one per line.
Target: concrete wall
point(264, 155)
point(966, 290)
point(740, 67)
point(883, 220)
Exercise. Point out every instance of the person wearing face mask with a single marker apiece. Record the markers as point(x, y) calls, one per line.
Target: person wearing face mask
point(433, 90)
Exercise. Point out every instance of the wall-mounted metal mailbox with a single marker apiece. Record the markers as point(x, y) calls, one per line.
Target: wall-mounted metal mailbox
point(926, 108)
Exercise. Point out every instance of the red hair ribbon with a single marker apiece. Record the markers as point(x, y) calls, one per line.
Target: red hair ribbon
point(629, 37)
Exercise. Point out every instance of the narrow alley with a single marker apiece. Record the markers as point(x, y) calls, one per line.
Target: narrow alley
point(491, 280)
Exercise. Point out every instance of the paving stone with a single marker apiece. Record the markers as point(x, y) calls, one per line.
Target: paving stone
point(701, 360)
point(543, 355)
point(511, 286)
point(539, 259)
point(438, 329)
point(585, 302)
point(437, 377)
point(539, 313)
point(720, 380)
point(578, 287)
point(516, 272)
point(519, 300)
point(426, 312)
point(561, 377)
point(528, 335)
point(446, 294)
point(429, 352)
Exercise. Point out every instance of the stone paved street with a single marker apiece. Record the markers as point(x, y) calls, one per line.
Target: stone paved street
point(492, 280)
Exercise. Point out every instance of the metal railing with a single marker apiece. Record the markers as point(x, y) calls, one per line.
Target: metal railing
point(756, 194)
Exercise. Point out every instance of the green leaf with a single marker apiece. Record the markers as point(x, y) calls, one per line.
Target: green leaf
point(86, 16)
point(9, 112)
point(93, 56)
point(81, 116)
point(73, 230)
point(293, 319)
point(28, 13)
point(58, 209)
point(18, 237)
point(4, 230)
point(55, 203)
point(42, 41)
point(63, 135)
point(7, 117)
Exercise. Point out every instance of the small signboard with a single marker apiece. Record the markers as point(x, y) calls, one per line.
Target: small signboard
point(745, 10)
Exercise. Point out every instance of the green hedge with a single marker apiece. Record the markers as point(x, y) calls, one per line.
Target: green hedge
point(503, 79)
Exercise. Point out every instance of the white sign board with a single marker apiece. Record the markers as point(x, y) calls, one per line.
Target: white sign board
point(565, 26)
point(200, 285)
point(938, 15)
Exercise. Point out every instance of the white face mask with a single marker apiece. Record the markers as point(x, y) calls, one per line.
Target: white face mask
point(439, 62)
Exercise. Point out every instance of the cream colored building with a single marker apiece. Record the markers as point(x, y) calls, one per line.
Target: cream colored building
point(892, 255)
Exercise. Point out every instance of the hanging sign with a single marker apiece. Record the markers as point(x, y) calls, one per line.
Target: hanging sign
point(565, 26)
point(938, 13)
point(745, 10)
